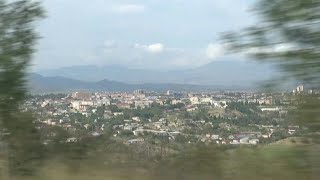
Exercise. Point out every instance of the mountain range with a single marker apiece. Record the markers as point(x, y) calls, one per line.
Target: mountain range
point(40, 84)
point(232, 75)
point(226, 73)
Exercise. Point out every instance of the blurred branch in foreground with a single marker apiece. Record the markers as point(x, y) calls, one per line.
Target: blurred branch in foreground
point(17, 40)
point(288, 35)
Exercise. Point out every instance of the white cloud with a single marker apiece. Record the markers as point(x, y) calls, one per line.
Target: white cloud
point(152, 48)
point(129, 8)
point(156, 48)
point(153, 55)
point(214, 51)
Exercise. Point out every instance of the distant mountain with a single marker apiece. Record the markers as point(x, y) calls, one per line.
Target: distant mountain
point(38, 83)
point(41, 84)
point(219, 73)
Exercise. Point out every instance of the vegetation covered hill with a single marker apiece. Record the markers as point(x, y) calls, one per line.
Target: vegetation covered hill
point(205, 162)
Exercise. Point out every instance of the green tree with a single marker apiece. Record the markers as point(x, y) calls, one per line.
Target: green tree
point(126, 133)
point(17, 40)
point(101, 110)
point(114, 108)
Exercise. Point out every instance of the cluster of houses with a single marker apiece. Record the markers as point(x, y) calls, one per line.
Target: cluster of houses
point(57, 112)
point(247, 138)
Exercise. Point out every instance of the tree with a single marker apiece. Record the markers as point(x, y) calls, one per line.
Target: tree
point(288, 35)
point(114, 108)
point(126, 133)
point(17, 40)
point(100, 111)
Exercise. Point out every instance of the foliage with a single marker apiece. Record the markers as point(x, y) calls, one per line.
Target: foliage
point(126, 133)
point(243, 107)
point(195, 163)
point(287, 36)
point(114, 108)
point(17, 37)
point(48, 96)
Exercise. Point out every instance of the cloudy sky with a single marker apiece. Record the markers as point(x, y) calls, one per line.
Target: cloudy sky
point(144, 34)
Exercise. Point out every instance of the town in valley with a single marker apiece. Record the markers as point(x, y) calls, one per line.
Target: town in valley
point(141, 117)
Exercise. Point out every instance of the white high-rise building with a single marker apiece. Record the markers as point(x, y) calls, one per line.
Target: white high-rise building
point(169, 93)
point(138, 92)
point(300, 88)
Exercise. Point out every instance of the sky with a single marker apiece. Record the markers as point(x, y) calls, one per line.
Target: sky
point(140, 34)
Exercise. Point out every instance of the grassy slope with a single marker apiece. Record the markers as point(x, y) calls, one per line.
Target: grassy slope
point(275, 161)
